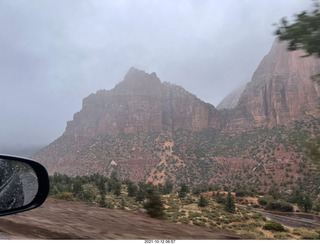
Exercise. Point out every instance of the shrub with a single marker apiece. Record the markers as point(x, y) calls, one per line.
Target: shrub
point(264, 200)
point(274, 226)
point(184, 220)
point(259, 216)
point(279, 205)
point(282, 236)
point(272, 204)
point(310, 235)
point(67, 196)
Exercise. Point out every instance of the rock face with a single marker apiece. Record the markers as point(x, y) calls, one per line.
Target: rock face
point(280, 90)
point(138, 104)
point(141, 104)
point(147, 130)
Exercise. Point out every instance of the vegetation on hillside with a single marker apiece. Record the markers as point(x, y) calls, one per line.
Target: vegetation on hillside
point(287, 157)
point(199, 206)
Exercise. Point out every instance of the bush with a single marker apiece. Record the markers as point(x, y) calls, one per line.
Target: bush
point(259, 216)
point(274, 226)
point(263, 201)
point(279, 205)
point(272, 204)
point(310, 235)
point(67, 196)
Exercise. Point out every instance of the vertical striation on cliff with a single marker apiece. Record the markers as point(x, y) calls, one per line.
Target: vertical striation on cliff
point(280, 90)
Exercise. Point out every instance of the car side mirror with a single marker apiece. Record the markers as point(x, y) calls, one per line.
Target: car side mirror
point(24, 184)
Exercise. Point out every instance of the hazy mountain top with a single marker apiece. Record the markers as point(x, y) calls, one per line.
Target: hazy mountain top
point(231, 100)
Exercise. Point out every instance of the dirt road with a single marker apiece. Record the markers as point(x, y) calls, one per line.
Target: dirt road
point(57, 219)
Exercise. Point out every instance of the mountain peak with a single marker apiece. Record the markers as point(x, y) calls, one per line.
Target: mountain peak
point(135, 74)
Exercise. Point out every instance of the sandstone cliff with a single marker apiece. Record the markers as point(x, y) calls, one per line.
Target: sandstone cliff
point(141, 103)
point(138, 104)
point(280, 90)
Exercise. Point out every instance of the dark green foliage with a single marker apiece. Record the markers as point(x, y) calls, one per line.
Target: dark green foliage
point(297, 197)
point(168, 187)
point(274, 192)
point(305, 203)
point(303, 33)
point(101, 186)
point(103, 202)
point(84, 188)
point(229, 204)
point(184, 189)
point(77, 187)
point(242, 191)
point(154, 205)
point(220, 199)
point(302, 199)
point(196, 191)
point(316, 206)
point(114, 184)
point(263, 201)
point(132, 189)
point(274, 226)
point(141, 195)
point(280, 205)
point(203, 201)
point(271, 203)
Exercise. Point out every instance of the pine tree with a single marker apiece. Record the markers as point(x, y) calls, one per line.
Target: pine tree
point(168, 187)
point(203, 202)
point(229, 205)
point(307, 203)
point(154, 205)
point(183, 190)
point(140, 195)
point(117, 188)
point(102, 202)
point(132, 189)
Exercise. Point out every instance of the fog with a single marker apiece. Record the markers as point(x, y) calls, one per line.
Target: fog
point(55, 53)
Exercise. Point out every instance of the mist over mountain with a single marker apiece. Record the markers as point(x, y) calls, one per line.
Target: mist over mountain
point(231, 100)
point(150, 131)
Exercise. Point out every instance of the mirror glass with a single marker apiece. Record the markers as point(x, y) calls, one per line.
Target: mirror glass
point(18, 184)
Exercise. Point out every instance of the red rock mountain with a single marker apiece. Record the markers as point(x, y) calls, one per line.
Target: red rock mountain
point(141, 103)
point(147, 130)
point(280, 91)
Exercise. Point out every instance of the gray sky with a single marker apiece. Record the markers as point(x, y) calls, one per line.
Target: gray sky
point(53, 53)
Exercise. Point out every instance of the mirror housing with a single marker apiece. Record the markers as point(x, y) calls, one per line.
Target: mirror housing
point(24, 184)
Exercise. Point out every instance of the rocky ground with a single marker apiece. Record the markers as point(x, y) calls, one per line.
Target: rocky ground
point(57, 219)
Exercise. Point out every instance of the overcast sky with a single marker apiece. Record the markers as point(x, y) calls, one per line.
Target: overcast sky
point(53, 53)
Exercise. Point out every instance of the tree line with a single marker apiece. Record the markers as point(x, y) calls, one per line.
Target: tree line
point(95, 188)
